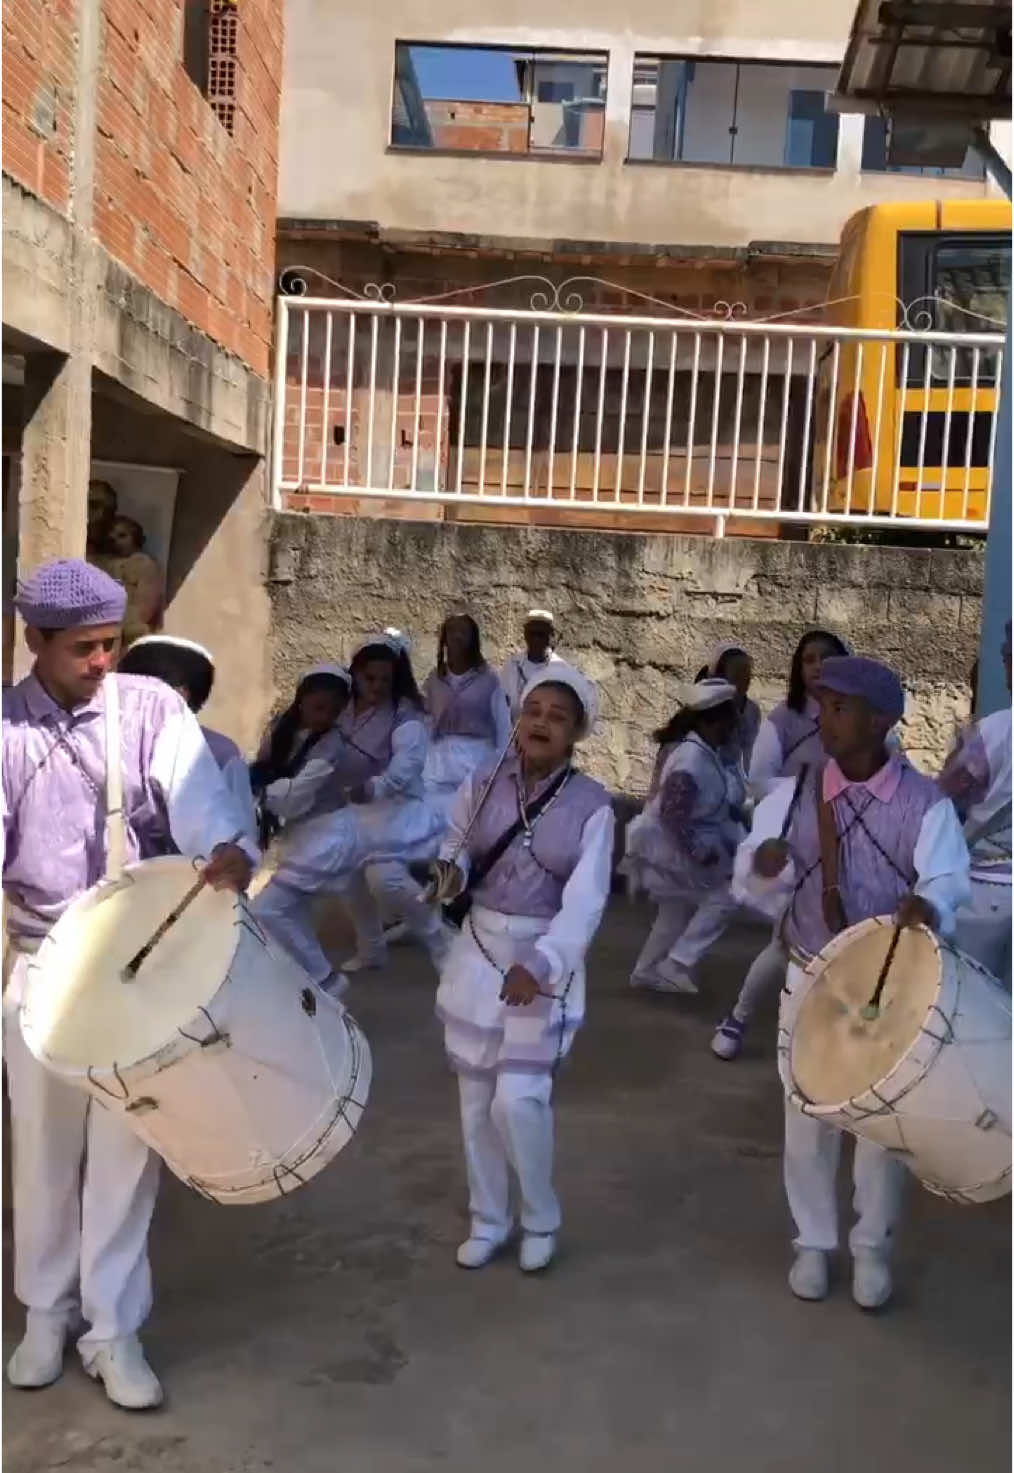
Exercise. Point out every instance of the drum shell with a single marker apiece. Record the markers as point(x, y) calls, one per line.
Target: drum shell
point(251, 1097)
point(945, 1106)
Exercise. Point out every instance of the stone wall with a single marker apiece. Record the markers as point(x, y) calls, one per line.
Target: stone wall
point(639, 613)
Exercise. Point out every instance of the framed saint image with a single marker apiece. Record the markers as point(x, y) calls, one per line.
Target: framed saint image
point(130, 521)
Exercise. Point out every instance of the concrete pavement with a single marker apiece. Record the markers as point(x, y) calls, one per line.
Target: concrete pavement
point(333, 1331)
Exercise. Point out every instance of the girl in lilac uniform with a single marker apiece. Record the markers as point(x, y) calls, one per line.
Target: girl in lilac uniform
point(511, 994)
point(680, 849)
point(469, 718)
point(788, 741)
point(375, 819)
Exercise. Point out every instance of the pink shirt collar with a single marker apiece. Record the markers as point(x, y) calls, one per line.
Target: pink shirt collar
point(883, 784)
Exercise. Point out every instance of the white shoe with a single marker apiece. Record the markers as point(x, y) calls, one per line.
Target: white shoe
point(537, 1252)
point(477, 1252)
point(808, 1274)
point(871, 1278)
point(128, 1379)
point(38, 1360)
point(668, 976)
point(370, 961)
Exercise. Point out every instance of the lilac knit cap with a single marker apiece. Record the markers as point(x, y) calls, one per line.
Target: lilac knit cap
point(877, 684)
point(70, 594)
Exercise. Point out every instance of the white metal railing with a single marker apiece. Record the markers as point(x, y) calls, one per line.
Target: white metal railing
point(552, 405)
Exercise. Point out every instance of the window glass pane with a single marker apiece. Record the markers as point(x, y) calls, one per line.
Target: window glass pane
point(971, 289)
point(488, 99)
point(874, 157)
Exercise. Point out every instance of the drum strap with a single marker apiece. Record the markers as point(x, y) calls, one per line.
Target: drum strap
point(999, 820)
point(116, 837)
point(827, 833)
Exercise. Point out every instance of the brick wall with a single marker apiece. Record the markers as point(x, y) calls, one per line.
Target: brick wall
point(38, 95)
point(481, 127)
point(184, 206)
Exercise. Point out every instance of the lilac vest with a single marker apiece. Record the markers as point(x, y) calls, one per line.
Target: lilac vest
point(54, 776)
point(462, 707)
point(223, 749)
point(527, 881)
point(799, 735)
point(363, 742)
point(876, 854)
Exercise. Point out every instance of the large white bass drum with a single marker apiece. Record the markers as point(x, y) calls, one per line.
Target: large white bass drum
point(220, 1053)
point(926, 1074)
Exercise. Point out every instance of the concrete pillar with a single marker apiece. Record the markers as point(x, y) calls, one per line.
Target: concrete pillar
point(55, 457)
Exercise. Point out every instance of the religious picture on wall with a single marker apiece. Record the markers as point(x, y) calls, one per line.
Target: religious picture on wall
point(130, 510)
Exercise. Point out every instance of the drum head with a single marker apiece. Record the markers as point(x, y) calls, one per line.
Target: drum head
point(836, 1052)
point(81, 1013)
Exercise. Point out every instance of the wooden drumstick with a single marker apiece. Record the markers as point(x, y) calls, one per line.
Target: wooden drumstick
point(131, 969)
point(871, 1010)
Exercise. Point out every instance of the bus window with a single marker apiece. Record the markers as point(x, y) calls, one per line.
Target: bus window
point(953, 283)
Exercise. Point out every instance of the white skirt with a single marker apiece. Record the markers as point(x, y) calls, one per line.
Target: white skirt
point(482, 1034)
point(450, 760)
point(321, 853)
point(653, 863)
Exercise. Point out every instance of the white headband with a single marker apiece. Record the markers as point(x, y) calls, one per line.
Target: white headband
point(390, 639)
point(587, 692)
point(338, 672)
point(704, 694)
point(173, 641)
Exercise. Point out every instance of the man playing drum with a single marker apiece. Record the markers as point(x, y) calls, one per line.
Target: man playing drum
point(865, 836)
point(84, 1184)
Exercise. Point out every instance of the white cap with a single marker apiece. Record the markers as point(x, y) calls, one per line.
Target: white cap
point(401, 640)
point(558, 672)
point(392, 639)
point(703, 694)
point(176, 643)
point(539, 616)
point(337, 671)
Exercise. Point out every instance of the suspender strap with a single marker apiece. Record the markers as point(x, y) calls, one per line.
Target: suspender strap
point(827, 831)
point(116, 836)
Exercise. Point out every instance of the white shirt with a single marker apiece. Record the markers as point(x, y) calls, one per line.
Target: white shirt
point(516, 674)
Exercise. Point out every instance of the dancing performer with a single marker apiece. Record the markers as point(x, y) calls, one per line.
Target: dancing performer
point(468, 712)
point(539, 634)
point(867, 835)
point(84, 1184)
point(788, 740)
point(537, 859)
point(294, 775)
point(190, 670)
point(681, 848)
point(977, 777)
point(376, 821)
point(732, 663)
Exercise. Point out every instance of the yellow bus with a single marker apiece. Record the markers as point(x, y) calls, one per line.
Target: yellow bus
point(912, 425)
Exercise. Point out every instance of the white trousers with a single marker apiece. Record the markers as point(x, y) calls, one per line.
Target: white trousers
point(84, 1193)
point(685, 929)
point(982, 928)
point(388, 882)
point(812, 1153)
point(287, 914)
point(507, 1121)
point(765, 976)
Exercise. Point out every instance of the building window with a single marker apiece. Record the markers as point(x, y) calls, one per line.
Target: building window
point(491, 99)
point(875, 157)
point(764, 114)
point(210, 36)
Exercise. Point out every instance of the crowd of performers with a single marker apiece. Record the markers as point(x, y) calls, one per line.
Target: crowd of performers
point(458, 811)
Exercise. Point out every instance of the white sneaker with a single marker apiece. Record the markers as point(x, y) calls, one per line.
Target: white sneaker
point(370, 961)
point(672, 977)
point(537, 1252)
point(871, 1278)
point(477, 1252)
point(808, 1274)
point(38, 1360)
point(728, 1040)
point(128, 1379)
